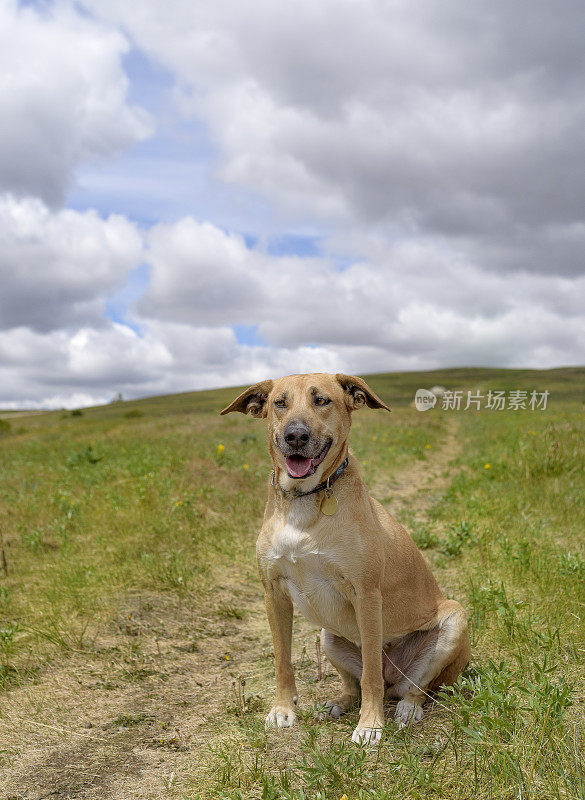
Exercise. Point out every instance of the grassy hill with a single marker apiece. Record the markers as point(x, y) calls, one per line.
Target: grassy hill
point(135, 659)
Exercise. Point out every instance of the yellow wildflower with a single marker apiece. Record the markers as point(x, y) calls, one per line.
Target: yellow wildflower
point(220, 449)
point(487, 466)
point(246, 466)
point(428, 447)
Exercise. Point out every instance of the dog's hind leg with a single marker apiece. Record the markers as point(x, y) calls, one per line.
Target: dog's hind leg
point(346, 657)
point(428, 659)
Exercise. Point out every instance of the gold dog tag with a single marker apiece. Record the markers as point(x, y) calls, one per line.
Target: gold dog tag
point(329, 505)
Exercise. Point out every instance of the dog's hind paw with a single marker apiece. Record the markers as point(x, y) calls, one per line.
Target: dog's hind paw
point(407, 712)
point(331, 711)
point(370, 736)
point(280, 717)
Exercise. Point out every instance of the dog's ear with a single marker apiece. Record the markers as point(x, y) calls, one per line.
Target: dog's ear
point(358, 393)
point(253, 400)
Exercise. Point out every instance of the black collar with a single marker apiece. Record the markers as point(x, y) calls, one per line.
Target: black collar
point(324, 484)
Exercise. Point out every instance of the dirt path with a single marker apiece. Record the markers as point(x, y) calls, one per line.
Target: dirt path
point(418, 484)
point(132, 717)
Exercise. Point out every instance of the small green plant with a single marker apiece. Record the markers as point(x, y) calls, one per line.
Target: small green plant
point(456, 537)
point(424, 537)
point(230, 612)
point(491, 602)
point(87, 456)
point(555, 452)
point(7, 640)
point(517, 552)
point(8, 635)
point(572, 564)
point(129, 720)
point(33, 539)
point(333, 769)
point(134, 413)
point(243, 703)
point(173, 570)
point(68, 504)
point(5, 427)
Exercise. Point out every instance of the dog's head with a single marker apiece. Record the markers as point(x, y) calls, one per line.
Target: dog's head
point(308, 417)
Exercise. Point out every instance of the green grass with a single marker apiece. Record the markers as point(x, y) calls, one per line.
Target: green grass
point(162, 499)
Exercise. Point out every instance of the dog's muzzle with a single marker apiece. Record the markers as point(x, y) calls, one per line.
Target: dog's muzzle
point(301, 466)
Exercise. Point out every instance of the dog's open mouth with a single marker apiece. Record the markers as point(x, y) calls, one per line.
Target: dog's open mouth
point(301, 467)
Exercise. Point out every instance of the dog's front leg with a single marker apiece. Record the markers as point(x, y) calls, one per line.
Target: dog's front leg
point(368, 607)
point(279, 609)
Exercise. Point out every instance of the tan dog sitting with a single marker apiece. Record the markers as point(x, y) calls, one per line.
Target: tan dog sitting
point(350, 567)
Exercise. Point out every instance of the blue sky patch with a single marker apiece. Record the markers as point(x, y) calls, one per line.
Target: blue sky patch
point(248, 334)
point(117, 304)
point(290, 244)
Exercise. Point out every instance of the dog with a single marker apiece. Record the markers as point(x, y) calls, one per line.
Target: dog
point(329, 548)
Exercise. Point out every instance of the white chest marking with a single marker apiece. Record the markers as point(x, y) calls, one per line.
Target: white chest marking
point(291, 544)
point(292, 541)
point(303, 568)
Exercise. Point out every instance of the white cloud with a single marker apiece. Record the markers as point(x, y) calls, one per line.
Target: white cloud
point(459, 120)
point(311, 316)
point(413, 304)
point(211, 356)
point(201, 275)
point(96, 363)
point(91, 366)
point(58, 267)
point(63, 97)
point(210, 266)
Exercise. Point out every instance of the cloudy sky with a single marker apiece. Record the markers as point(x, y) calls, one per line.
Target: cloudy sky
point(198, 194)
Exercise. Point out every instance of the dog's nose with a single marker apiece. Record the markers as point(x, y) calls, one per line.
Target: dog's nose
point(297, 434)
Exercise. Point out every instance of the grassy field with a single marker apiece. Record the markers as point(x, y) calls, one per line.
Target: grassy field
point(135, 658)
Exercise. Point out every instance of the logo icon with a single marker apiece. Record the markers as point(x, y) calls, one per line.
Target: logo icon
point(424, 400)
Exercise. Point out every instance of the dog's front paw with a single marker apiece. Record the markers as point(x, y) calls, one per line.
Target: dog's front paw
point(371, 736)
point(407, 712)
point(280, 717)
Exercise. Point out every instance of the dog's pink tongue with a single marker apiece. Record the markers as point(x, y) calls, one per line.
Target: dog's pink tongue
point(297, 466)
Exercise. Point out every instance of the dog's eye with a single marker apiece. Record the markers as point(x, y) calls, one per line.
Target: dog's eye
point(322, 401)
point(280, 403)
